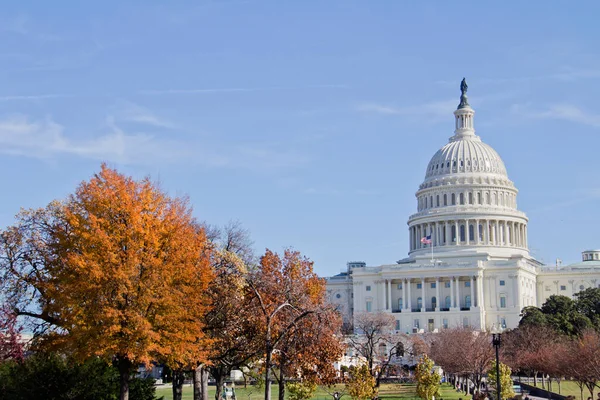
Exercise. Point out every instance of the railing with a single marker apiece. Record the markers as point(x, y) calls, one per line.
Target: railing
point(465, 309)
point(444, 309)
point(415, 310)
point(396, 311)
point(429, 309)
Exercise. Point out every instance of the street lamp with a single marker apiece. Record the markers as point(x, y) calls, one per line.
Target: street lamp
point(496, 341)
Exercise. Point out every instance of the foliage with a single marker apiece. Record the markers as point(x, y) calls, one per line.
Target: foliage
point(588, 303)
point(361, 385)
point(301, 390)
point(11, 347)
point(428, 381)
point(52, 376)
point(119, 264)
point(505, 380)
point(561, 313)
point(285, 292)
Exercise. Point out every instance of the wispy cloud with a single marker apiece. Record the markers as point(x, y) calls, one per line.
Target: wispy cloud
point(131, 112)
point(32, 97)
point(583, 197)
point(567, 112)
point(433, 109)
point(566, 73)
point(238, 89)
point(47, 139)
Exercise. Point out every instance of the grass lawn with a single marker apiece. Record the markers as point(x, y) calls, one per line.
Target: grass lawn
point(387, 392)
point(568, 388)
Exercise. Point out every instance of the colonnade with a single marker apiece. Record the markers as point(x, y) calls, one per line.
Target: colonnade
point(430, 300)
point(468, 232)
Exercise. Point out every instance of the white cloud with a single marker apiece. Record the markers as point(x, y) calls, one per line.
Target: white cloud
point(47, 139)
point(435, 108)
point(128, 111)
point(567, 112)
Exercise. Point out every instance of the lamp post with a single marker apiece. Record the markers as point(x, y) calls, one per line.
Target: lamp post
point(496, 342)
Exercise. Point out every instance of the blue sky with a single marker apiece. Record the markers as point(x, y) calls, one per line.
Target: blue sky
point(311, 122)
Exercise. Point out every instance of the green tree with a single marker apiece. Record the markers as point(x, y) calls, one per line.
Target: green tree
point(361, 385)
point(505, 380)
point(588, 303)
point(301, 390)
point(428, 381)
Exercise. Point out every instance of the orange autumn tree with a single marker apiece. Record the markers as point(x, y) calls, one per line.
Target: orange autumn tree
point(120, 272)
point(285, 292)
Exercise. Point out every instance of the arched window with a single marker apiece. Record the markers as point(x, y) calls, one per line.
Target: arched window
point(431, 201)
point(453, 233)
point(481, 233)
point(487, 198)
point(462, 233)
point(400, 303)
point(494, 199)
point(448, 302)
point(462, 198)
point(433, 302)
point(453, 199)
point(437, 200)
point(471, 232)
point(478, 197)
point(419, 302)
point(445, 199)
point(470, 198)
point(468, 301)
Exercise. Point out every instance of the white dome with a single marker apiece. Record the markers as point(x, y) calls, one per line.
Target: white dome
point(465, 155)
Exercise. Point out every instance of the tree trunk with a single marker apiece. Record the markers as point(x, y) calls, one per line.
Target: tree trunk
point(177, 384)
point(281, 382)
point(268, 372)
point(197, 379)
point(219, 381)
point(125, 367)
point(204, 384)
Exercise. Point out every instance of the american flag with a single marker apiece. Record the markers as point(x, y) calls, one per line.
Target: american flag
point(426, 239)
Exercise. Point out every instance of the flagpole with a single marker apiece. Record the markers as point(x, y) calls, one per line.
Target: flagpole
point(431, 244)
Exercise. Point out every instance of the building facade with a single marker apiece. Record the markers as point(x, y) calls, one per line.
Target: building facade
point(468, 262)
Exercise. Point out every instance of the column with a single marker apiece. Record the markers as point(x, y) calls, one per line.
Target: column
point(480, 300)
point(457, 292)
point(467, 231)
point(457, 231)
point(437, 234)
point(477, 236)
point(404, 301)
point(382, 287)
point(437, 293)
point(389, 295)
point(507, 238)
point(486, 235)
point(409, 300)
point(494, 225)
point(451, 291)
point(472, 293)
point(423, 303)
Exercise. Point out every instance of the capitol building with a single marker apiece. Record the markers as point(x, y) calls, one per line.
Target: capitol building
point(468, 260)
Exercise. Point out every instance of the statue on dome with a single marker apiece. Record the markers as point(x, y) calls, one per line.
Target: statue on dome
point(463, 94)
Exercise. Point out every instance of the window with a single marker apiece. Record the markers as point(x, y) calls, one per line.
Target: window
point(433, 285)
point(399, 286)
point(471, 232)
point(416, 323)
point(468, 284)
point(462, 198)
point(397, 324)
point(339, 296)
point(462, 233)
point(563, 287)
point(502, 301)
point(502, 322)
point(502, 283)
point(448, 302)
point(478, 197)
point(445, 323)
point(437, 200)
point(468, 301)
point(419, 285)
point(368, 288)
point(419, 302)
point(433, 302)
point(470, 198)
point(453, 199)
point(453, 233)
point(400, 304)
point(465, 322)
point(581, 287)
point(369, 306)
point(447, 284)
point(445, 199)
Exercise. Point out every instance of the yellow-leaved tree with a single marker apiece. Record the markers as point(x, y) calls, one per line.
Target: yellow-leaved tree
point(118, 270)
point(428, 380)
